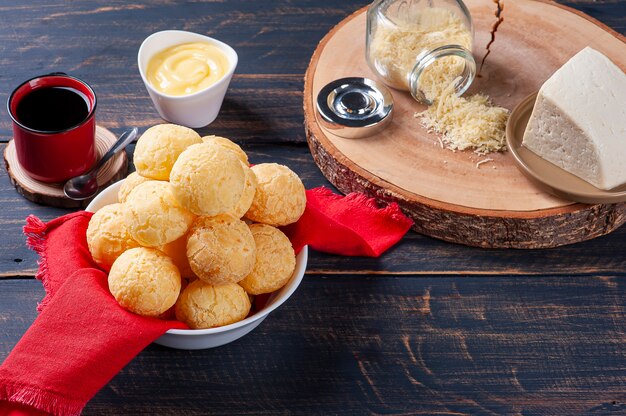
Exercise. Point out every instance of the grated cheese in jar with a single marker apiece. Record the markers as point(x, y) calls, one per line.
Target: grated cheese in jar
point(395, 46)
point(463, 122)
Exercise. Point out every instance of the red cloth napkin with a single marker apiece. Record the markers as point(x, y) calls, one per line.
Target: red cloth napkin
point(350, 226)
point(82, 337)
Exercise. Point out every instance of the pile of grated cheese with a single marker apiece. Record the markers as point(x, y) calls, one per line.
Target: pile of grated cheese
point(467, 123)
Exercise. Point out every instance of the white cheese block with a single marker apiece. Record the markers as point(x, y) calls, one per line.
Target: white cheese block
point(579, 120)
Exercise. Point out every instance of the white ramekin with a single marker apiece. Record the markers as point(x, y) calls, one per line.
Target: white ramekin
point(193, 110)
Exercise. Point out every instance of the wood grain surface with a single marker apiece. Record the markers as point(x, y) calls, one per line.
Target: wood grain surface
point(429, 328)
point(446, 193)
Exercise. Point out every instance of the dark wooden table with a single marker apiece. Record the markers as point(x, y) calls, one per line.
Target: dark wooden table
point(429, 328)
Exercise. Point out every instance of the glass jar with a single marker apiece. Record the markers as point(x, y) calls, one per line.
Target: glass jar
point(421, 46)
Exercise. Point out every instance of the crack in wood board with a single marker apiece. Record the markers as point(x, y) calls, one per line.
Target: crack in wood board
point(500, 18)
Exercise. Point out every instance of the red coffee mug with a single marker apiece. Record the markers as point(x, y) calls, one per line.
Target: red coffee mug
point(53, 142)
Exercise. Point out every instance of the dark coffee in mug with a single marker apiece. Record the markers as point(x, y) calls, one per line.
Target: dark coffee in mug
point(53, 109)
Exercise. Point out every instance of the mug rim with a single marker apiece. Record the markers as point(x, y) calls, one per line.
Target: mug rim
point(91, 113)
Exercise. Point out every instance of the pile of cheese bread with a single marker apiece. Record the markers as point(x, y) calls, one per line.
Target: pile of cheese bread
point(195, 228)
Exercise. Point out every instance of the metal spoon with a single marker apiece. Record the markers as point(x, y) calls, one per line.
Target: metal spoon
point(85, 186)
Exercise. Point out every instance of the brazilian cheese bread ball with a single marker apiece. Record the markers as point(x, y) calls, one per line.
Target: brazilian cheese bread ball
point(208, 179)
point(275, 261)
point(228, 144)
point(220, 249)
point(159, 147)
point(130, 183)
point(170, 314)
point(144, 281)
point(108, 236)
point(247, 196)
point(154, 217)
point(280, 198)
point(202, 305)
point(177, 251)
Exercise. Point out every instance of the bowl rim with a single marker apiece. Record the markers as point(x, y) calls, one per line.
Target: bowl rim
point(232, 55)
point(294, 282)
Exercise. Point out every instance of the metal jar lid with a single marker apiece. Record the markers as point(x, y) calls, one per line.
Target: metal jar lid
point(354, 107)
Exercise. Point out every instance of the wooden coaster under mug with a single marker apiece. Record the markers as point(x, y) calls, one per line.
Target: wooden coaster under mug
point(52, 193)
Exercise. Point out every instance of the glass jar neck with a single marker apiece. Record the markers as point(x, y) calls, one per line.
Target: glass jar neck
point(429, 57)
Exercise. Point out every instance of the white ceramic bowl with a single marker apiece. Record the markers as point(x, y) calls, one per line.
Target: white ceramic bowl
point(193, 110)
point(196, 339)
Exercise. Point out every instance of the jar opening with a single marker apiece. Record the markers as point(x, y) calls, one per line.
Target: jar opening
point(436, 69)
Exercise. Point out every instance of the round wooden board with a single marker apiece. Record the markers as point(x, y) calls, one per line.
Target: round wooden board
point(444, 192)
point(52, 194)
